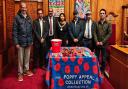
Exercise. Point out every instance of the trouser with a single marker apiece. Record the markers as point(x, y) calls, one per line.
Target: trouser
point(49, 41)
point(88, 43)
point(23, 59)
point(40, 56)
point(104, 56)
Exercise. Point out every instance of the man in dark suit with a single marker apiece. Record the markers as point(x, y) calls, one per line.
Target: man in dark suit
point(52, 24)
point(75, 31)
point(40, 27)
point(101, 36)
point(89, 26)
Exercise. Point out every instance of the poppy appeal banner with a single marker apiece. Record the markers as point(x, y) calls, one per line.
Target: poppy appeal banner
point(57, 6)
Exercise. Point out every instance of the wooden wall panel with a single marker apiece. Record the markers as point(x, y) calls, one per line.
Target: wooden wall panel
point(32, 9)
point(45, 7)
point(1, 36)
point(94, 8)
point(1, 27)
point(66, 9)
point(71, 8)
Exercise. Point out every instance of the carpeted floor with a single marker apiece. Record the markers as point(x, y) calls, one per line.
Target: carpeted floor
point(35, 82)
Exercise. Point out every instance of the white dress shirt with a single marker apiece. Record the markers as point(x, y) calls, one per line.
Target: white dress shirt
point(51, 34)
point(88, 32)
point(41, 26)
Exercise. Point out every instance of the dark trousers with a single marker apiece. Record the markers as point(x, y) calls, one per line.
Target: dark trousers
point(88, 43)
point(40, 52)
point(49, 38)
point(104, 56)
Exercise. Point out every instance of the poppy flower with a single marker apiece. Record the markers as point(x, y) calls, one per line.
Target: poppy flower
point(94, 59)
point(76, 69)
point(67, 69)
point(72, 59)
point(96, 86)
point(57, 67)
point(48, 75)
point(50, 62)
point(61, 82)
point(80, 61)
point(65, 59)
point(52, 84)
point(57, 59)
point(86, 66)
point(95, 69)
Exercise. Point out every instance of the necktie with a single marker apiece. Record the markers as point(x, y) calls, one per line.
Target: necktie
point(50, 26)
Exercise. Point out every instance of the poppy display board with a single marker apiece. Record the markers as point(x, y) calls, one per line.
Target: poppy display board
point(71, 71)
point(57, 6)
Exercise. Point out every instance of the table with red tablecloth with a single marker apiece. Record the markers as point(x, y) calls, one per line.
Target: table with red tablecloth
point(73, 72)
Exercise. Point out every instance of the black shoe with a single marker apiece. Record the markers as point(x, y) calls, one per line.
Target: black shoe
point(34, 70)
point(44, 68)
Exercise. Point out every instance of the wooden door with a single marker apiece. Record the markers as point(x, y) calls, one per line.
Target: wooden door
point(1, 25)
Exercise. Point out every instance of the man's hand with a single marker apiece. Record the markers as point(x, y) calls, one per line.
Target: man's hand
point(42, 40)
point(101, 43)
point(17, 46)
point(97, 43)
point(66, 41)
point(75, 40)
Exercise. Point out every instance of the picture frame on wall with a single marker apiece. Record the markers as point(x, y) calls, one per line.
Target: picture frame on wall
point(57, 6)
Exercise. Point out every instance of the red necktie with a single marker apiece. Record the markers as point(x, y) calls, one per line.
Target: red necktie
point(50, 26)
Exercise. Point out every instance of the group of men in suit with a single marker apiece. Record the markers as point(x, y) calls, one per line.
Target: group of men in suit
point(87, 33)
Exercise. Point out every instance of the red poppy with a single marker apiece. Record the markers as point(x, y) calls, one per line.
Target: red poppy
point(72, 59)
point(96, 86)
point(86, 66)
point(100, 75)
point(61, 82)
point(65, 59)
point(57, 58)
point(67, 69)
point(50, 62)
point(80, 61)
point(52, 84)
point(48, 75)
point(95, 69)
point(94, 59)
point(76, 69)
point(57, 67)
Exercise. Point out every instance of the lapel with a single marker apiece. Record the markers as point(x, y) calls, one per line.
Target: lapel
point(73, 26)
point(39, 29)
point(85, 26)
